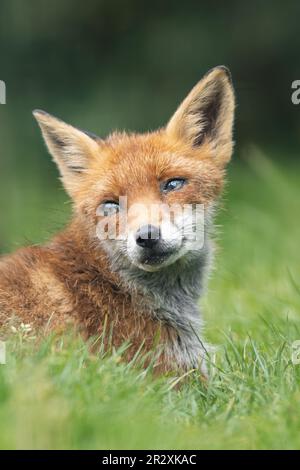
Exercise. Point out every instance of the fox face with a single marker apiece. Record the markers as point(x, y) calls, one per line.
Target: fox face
point(147, 199)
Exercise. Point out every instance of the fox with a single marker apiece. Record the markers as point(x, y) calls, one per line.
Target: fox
point(137, 283)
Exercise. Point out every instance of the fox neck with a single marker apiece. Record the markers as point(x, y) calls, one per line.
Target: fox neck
point(171, 295)
point(173, 286)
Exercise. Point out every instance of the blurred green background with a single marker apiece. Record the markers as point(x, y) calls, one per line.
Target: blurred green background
point(126, 64)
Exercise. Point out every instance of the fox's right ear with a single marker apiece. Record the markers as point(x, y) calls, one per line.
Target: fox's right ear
point(71, 148)
point(206, 115)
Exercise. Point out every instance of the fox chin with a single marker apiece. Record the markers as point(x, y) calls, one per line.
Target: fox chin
point(133, 261)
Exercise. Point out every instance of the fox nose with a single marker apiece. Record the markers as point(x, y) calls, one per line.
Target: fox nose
point(147, 236)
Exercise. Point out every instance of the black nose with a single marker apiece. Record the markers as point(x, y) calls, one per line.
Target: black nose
point(147, 236)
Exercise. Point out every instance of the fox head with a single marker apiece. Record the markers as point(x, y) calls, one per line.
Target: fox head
point(146, 198)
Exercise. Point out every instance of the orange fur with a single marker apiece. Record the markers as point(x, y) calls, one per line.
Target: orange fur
point(70, 279)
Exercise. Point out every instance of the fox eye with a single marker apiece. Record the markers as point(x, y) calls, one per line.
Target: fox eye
point(108, 208)
point(173, 184)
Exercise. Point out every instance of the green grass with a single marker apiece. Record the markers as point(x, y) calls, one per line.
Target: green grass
point(57, 395)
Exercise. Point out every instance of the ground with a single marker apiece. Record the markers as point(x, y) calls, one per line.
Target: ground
point(57, 395)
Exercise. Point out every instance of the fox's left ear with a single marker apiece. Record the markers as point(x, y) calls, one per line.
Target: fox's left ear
point(71, 149)
point(206, 115)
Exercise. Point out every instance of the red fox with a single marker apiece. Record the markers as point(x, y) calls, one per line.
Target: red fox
point(123, 271)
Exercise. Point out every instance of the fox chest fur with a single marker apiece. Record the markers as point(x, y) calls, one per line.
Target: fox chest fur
point(137, 282)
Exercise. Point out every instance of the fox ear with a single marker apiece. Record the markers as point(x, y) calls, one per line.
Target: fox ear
point(71, 148)
point(206, 115)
